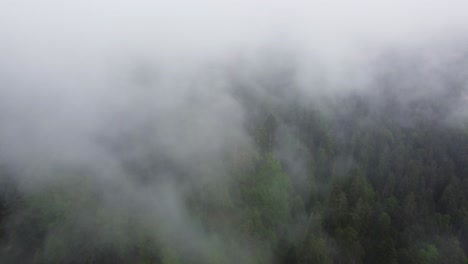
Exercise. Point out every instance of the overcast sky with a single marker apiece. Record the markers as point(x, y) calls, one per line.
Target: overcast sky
point(214, 26)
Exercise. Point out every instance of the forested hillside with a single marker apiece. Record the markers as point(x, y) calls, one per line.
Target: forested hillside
point(364, 177)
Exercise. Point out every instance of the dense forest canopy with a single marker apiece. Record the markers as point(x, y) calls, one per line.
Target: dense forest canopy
point(137, 134)
point(371, 176)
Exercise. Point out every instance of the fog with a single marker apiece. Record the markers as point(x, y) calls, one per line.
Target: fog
point(141, 98)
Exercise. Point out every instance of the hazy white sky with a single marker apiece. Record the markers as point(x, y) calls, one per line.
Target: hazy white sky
point(208, 25)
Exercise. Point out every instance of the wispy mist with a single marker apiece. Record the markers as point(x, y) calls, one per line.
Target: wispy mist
point(141, 104)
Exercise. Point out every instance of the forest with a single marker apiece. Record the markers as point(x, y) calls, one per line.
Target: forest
point(364, 177)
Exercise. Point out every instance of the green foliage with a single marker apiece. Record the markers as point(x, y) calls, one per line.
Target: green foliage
point(428, 254)
point(367, 188)
point(315, 251)
point(265, 195)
